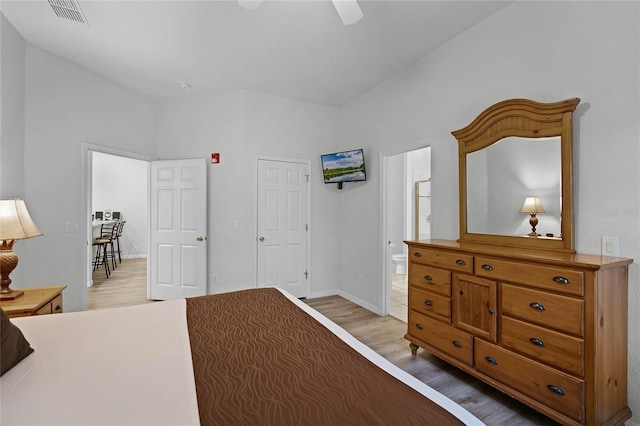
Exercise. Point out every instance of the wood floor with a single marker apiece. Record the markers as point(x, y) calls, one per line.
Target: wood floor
point(127, 286)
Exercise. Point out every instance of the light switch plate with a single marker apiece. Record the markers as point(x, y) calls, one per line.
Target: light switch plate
point(611, 246)
point(71, 226)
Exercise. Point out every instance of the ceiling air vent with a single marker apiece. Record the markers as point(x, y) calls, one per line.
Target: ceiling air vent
point(68, 9)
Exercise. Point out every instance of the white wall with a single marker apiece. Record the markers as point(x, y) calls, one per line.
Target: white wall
point(120, 184)
point(66, 105)
point(546, 51)
point(12, 82)
point(241, 125)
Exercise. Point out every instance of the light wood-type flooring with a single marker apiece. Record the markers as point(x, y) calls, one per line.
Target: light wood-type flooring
point(127, 286)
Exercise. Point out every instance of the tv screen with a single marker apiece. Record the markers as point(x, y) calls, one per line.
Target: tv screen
point(345, 166)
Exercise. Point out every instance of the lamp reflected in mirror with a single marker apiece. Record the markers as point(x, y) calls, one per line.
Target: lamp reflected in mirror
point(533, 206)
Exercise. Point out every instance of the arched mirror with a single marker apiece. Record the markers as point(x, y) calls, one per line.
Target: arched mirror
point(515, 171)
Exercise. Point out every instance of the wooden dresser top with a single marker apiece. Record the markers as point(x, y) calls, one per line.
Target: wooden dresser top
point(588, 261)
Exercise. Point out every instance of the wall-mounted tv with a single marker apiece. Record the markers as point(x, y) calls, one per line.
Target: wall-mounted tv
point(345, 166)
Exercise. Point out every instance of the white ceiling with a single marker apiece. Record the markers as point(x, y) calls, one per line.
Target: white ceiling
point(297, 49)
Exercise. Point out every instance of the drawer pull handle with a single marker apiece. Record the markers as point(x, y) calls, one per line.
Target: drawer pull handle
point(416, 254)
point(460, 262)
point(58, 307)
point(490, 360)
point(561, 280)
point(491, 311)
point(537, 306)
point(536, 341)
point(420, 326)
point(487, 267)
point(428, 277)
point(556, 389)
point(456, 344)
point(428, 303)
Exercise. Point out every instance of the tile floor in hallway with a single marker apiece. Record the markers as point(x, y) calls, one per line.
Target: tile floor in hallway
point(399, 296)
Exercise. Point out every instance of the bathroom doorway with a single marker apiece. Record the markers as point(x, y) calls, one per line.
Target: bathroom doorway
point(407, 208)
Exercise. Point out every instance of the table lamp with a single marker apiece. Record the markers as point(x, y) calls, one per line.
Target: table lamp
point(15, 224)
point(532, 205)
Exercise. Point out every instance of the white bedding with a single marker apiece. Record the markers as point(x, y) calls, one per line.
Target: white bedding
point(129, 366)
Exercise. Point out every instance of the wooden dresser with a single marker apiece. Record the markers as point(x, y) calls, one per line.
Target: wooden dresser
point(35, 301)
point(547, 328)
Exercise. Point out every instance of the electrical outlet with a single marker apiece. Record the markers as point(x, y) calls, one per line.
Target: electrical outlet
point(236, 225)
point(611, 246)
point(214, 278)
point(360, 279)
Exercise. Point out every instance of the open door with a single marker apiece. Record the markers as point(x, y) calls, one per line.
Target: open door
point(178, 234)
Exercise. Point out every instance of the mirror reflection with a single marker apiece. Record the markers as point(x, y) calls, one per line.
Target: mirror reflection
point(500, 178)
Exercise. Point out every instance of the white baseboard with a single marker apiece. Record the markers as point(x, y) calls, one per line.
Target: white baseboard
point(368, 306)
point(351, 298)
point(134, 256)
point(323, 293)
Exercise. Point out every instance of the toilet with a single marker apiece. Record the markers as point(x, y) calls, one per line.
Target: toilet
point(401, 263)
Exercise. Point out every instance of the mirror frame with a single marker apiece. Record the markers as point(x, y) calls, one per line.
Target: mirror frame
point(528, 119)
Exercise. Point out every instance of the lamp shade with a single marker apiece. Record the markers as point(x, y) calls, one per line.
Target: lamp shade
point(15, 222)
point(532, 205)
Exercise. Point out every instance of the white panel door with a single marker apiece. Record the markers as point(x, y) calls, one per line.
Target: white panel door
point(282, 226)
point(178, 250)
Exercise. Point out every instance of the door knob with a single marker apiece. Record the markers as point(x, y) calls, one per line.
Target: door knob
point(261, 238)
point(201, 238)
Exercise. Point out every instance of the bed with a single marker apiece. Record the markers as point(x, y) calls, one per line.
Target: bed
point(250, 357)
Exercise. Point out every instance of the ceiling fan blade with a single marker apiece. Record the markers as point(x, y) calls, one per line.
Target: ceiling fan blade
point(250, 4)
point(349, 11)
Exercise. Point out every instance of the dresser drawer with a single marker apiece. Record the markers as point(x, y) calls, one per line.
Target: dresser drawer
point(543, 308)
point(447, 339)
point(547, 277)
point(553, 388)
point(444, 259)
point(45, 310)
point(52, 307)
point(551, 347)
point(56, 305)
point(431, 304)
point(431, 279)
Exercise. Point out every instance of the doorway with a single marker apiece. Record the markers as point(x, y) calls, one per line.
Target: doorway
point(118, 181)
point(406, 216)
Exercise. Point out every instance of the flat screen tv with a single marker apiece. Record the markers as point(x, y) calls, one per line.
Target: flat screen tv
point(345, 166)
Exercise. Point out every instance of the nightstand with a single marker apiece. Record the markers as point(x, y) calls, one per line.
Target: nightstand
point(35, 301)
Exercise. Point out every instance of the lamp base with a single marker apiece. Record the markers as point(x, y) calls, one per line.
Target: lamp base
point(8, 262)
point(14, 294)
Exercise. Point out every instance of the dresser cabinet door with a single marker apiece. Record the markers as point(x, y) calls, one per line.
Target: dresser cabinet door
point(474, 306)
